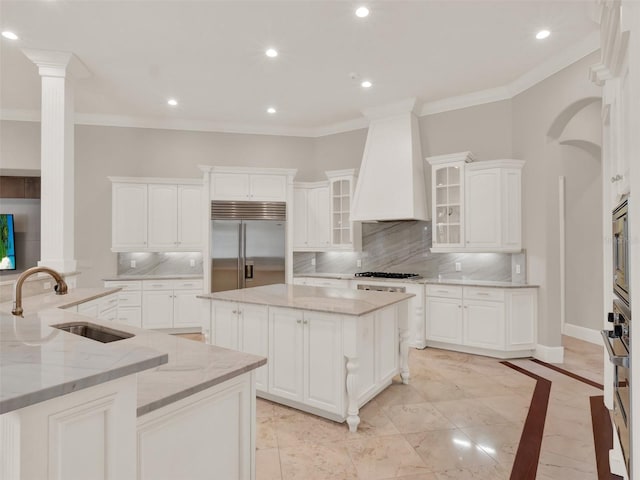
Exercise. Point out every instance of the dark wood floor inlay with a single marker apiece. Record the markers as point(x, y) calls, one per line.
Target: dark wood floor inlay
point(525, 465)
point(602, 437)
point(568, 373)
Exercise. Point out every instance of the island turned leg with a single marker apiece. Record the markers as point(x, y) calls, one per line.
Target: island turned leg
point(353, 420)
point(404, 355)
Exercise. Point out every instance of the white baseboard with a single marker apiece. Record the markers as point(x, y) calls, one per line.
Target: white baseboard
point(549, 354)
point(583, 333)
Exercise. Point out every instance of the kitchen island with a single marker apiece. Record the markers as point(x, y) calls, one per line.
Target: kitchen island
point(329, 350)
point(73, 407)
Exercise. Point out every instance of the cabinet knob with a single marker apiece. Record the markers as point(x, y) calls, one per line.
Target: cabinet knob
point(305, 322)
point(234, 311)
point(298, 321)
point(459, 306)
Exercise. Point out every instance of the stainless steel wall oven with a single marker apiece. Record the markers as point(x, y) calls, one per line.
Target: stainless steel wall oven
point(618, 340)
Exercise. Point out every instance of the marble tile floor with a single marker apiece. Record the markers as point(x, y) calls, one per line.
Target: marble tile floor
point(461, 417)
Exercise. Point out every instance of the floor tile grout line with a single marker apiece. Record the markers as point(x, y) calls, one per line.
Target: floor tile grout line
point(525, 464)
point(568, 373)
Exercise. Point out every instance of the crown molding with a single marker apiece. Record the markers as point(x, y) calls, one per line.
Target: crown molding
point(463, 101)
point(553, 65)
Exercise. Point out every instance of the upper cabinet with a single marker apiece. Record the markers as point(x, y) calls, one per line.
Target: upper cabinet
point(236, 184)
point(476, 205)
point(156, 215)
point(311, 216)
point(345, 234)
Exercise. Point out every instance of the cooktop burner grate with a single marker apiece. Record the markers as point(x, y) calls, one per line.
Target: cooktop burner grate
point(387, 275)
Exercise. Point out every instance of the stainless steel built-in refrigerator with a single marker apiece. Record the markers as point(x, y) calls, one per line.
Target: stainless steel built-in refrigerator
point(247, 244)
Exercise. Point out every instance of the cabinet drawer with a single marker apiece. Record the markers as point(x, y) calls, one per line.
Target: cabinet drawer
point(187, 284)
point(157, 285)
point(110, 315)
point(444, 291)
point(124, 285)
point(484, 293)
point(130, 316)
point(108, 303)
point(129, 299)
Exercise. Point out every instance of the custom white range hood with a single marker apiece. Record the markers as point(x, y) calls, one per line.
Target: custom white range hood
point(391, 184)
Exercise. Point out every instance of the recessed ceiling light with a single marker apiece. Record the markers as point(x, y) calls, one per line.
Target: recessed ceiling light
point(362, 12)
point(271, 110)
point(271, 52)
point(542, 34)
point(9, 35)
point(172, 101)
point(366, 84)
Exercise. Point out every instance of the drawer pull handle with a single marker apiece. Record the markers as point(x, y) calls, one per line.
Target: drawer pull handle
point(157, 285)
point(442, 291)
point(484, 294)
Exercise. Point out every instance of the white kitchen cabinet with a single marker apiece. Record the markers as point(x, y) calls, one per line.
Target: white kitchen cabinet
point(129, 301)
point(86, 434)
point(500, 322)
point(444, 320)
point(345, 234)
point(158, 215)
point(483, 324)
point(225, 325)
point(157, 309)
point(129, 217)
point(248, 186)
point(208, 435)
point(476, 205)
point(171, 304)
point(305, 362)
point(103, 308)
point(311, 217)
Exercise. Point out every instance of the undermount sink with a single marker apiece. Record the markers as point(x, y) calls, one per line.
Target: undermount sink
point(94, 332)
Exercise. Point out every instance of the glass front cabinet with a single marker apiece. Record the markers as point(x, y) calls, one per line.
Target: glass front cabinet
point(345, 234)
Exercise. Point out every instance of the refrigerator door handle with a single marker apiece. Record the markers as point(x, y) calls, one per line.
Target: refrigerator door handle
point(248, 271)
point(240, 255)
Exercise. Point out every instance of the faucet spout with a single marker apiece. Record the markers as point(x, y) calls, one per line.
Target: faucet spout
point(60, 287)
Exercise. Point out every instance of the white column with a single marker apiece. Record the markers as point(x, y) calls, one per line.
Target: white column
point(57, 157)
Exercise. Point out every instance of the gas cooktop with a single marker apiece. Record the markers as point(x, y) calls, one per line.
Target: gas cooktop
point(387, 275)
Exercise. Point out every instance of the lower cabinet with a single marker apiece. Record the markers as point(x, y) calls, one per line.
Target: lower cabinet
point(242, 327)
point(306, 363)
point(317, 362)
point(158, 303)
point(86, 434)
point(103, 308)
point(494, 321)
point(208, 435)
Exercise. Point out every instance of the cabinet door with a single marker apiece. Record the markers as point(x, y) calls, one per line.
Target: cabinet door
point(483, 324)
point(230, 186)
point(285, 348)
point(511, 209)
point(163, 216)
point(444, 320)
point(483, 209)
point(323, 361)
point(129, 216)
point(157, 309)
point(319, 217)
point(224, 322)
point(186, 308)
point(190, 218)
point(448, 204)
point(254, 337)
point(300, 209)
point(130, 316)
point(90, 309)
point(270, 188)
point(386, 338)
point(522, 307)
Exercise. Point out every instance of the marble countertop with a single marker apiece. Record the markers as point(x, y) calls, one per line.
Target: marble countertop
point(421, 280)
point(121, 278)
point(38, 362)
point(320, 299)
point(74, 297)
point(174, 367)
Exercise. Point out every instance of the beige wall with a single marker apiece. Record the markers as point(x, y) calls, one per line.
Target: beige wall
point(533, 114)
point(19, 147)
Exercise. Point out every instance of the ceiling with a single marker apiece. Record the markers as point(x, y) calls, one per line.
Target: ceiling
point(210, 54)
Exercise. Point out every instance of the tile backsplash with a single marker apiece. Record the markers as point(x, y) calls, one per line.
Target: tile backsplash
point(405, 247)
point(167, 263)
